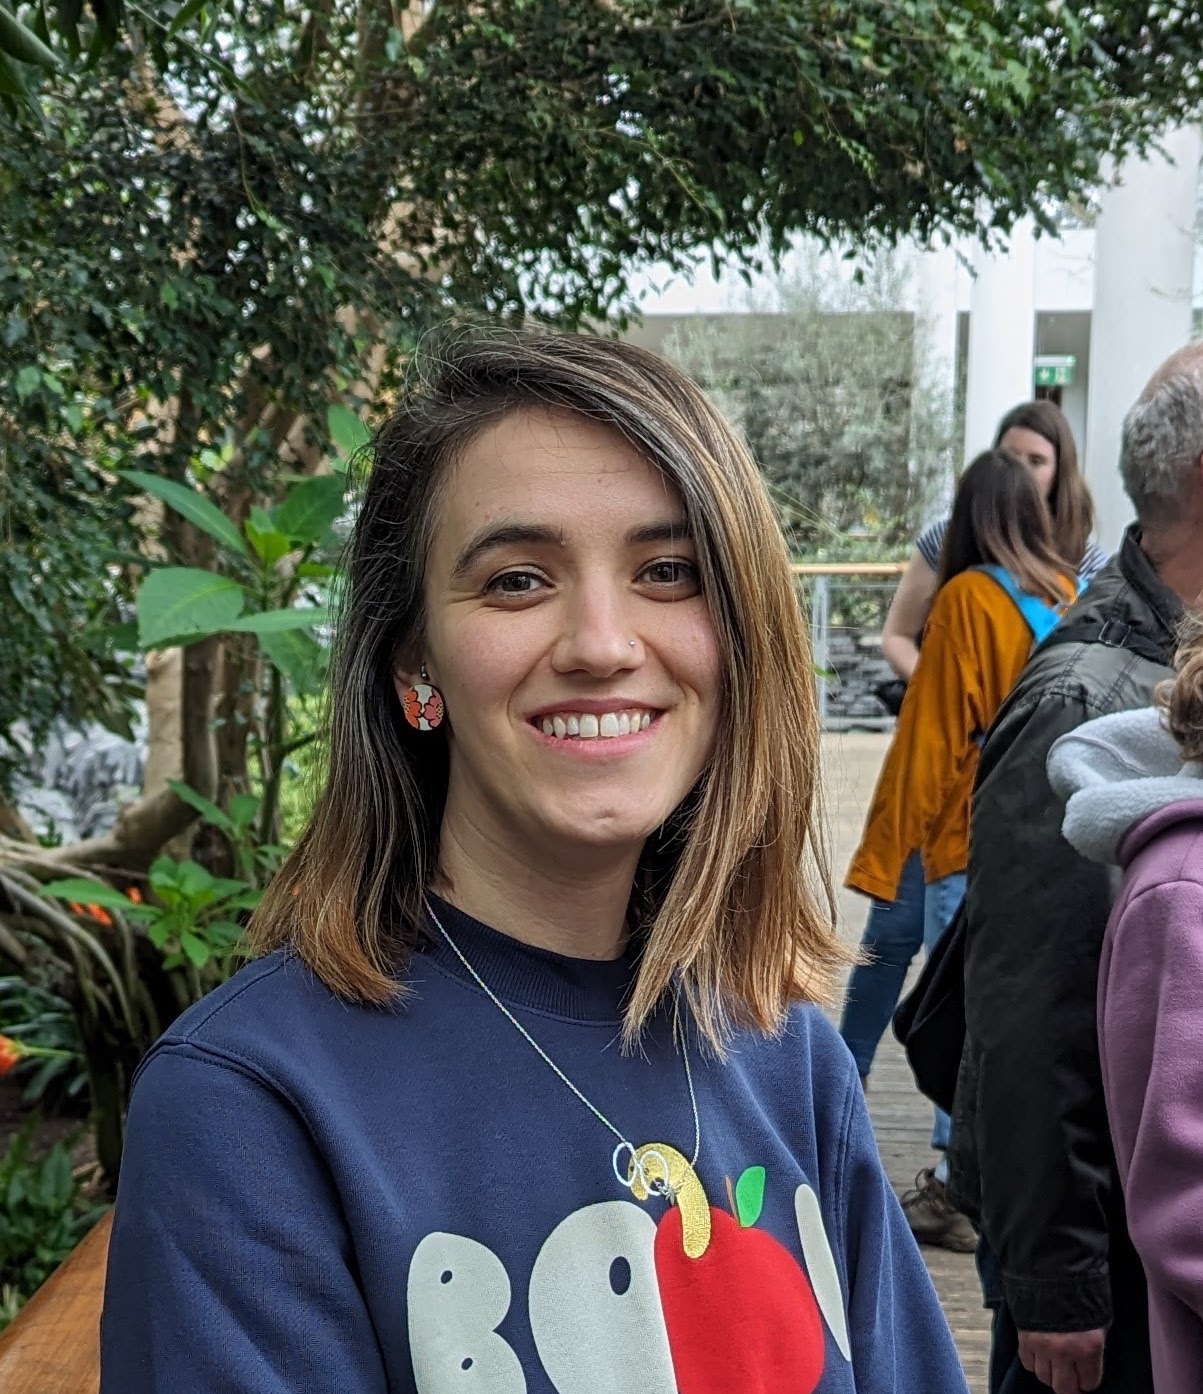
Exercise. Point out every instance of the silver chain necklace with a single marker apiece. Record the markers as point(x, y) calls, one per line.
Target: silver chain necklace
point(637, 1170)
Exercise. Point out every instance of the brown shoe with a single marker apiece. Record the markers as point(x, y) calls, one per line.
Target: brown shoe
point(933, 1218)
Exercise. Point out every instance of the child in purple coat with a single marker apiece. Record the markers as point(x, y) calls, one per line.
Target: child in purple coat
point(1134, 784)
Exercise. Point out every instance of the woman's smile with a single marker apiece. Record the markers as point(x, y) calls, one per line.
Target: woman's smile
point(618, 724)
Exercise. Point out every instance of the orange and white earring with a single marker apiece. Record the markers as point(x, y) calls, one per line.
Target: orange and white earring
point(423, 704)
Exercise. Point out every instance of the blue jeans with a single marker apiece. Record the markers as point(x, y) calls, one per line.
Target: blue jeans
point(895, 931)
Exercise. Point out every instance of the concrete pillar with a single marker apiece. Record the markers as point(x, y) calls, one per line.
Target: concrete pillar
point(1002, 335)
point(933, 396)
point(1143, 270)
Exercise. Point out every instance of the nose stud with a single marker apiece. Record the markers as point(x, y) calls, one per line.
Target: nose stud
point(631, 642)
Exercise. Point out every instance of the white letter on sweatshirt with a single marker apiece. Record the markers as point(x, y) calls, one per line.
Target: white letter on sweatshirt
point(595, 1304)
point(458, 1294)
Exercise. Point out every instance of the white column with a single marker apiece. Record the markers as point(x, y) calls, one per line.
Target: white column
point(1002, 335)
point(1143, 269)
point(933, 392)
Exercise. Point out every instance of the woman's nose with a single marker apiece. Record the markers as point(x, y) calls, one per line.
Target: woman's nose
point(598, 635)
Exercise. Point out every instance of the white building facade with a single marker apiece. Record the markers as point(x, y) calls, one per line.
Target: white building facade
point(1084, 318)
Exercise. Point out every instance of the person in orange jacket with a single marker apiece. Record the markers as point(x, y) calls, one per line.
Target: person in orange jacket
point(1002, 586)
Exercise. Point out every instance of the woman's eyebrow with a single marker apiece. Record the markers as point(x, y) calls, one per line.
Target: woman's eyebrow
point(670, 530)
point(503, 535)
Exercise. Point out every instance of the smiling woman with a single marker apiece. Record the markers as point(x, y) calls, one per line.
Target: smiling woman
point(570, 805)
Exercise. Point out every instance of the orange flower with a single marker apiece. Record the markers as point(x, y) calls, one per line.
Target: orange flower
point(10, 1053)
point(134, 894)
point(13, 1052)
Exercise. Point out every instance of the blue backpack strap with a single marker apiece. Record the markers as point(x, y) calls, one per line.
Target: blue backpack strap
point(1040, 617)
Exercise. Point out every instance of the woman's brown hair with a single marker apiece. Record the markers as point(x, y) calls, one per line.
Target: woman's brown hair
point(725, 901)
point(998, 518)
point(1069, 504)
point(1182, 698)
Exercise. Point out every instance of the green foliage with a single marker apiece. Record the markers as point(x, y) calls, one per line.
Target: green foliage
point(303, 767)
point(39, 1018)
point(60, 593)
point(191, 916)
point(42, 1218)
point(831, 387)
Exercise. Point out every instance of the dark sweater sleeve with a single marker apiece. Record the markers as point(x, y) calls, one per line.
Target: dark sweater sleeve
point(1037, 915)
point(900, 1341)
point(230, 1268)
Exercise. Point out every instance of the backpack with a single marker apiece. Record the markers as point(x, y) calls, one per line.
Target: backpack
point(1040, 616)
point(929, 1022)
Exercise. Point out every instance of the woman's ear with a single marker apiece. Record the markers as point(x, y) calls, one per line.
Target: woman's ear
point(407, 668)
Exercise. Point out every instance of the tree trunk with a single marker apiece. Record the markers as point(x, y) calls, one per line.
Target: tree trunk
point(164, 694)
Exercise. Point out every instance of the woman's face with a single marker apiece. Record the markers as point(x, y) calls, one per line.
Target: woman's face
point(569, 636)
point(1038, 454)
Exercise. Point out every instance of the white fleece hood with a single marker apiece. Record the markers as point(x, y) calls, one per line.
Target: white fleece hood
point(1114, 772)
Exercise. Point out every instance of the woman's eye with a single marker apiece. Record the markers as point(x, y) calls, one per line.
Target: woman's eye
point(514, 583)
point(672, 573)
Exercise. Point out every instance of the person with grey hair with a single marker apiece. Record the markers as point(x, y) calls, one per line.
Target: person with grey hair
point(1031, 1161)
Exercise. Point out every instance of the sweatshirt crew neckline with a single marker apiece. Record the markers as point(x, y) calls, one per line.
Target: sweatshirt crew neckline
point(523, 975)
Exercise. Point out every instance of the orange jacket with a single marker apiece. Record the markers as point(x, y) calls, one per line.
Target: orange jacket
point(974, 648)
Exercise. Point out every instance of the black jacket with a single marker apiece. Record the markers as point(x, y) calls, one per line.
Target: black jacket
point(1031, 1159)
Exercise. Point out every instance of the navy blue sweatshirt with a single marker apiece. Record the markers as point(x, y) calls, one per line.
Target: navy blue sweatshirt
point(322, 1197)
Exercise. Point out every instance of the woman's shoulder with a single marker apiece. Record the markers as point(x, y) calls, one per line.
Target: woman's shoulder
point(968, 593)
point(809, 1051)
point(274, 986)
point(271, 1020)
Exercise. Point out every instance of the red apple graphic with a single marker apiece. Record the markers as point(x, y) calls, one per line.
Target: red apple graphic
point(740, 1312)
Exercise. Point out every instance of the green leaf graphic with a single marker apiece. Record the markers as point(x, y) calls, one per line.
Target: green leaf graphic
point(749, 1196)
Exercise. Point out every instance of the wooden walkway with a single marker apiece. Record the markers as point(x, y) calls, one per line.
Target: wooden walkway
point(902, 1119)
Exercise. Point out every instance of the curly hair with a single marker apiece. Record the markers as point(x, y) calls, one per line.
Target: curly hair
point(1182, 697)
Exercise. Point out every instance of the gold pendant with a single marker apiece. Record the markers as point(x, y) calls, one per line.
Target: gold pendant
point(657, 1168)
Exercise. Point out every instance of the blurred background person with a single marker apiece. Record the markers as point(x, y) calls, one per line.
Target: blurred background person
point(1038, 434)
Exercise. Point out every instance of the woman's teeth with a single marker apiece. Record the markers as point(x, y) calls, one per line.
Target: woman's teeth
point(587, 727)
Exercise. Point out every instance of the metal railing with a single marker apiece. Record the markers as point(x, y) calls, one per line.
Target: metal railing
point(845, 601)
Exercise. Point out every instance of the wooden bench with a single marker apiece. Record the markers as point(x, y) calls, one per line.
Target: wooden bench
point(53, 1345)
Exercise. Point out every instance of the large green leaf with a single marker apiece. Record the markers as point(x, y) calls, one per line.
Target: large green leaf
point(84, 891)
point(298, 656)
point(348, 433)
point(23, 44)
point(12, 84)
point(270, 544)
point(181, 603)
point(203, 512)
point(207, 809)
point(311, 507)
point(280, 621)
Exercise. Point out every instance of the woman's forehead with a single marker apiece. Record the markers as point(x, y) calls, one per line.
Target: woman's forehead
point(557, 468)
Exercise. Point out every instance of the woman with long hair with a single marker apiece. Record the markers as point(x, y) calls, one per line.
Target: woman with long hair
point(530, 1090)
point(1133, 782)
point(1001, 586)
point(1038, 434)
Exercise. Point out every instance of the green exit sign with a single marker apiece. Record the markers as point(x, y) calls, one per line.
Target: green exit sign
point(1055, 369)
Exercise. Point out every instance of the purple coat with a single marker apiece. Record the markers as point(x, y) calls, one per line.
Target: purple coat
point(1151, 1047)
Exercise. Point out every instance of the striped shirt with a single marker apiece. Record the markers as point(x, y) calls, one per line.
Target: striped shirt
point(930, 543)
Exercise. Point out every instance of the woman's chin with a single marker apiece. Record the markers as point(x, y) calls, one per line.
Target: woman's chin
point(598, 832)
